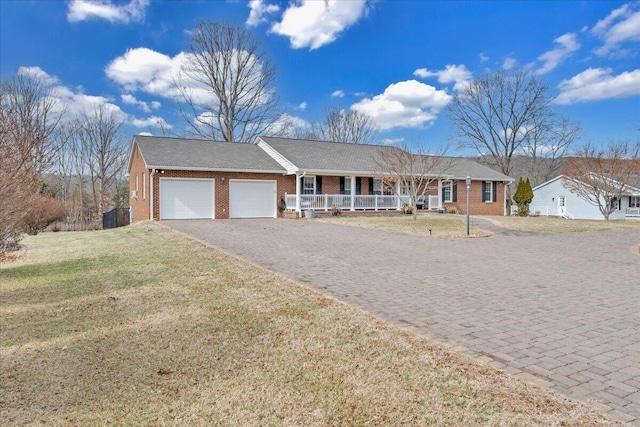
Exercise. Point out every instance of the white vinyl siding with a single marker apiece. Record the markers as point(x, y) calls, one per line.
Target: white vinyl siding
point(186, 198)
point(252, 199)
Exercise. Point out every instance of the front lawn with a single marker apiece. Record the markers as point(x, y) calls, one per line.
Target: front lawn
point(140, 326)
point(436, 225)
point(561, 225)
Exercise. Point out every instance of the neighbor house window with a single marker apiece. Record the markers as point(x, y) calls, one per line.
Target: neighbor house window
point(447, 193)
point(144, 185)
point(487, 191)
point(309, 185)
point(634, 202)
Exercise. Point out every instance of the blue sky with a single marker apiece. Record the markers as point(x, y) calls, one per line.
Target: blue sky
point(399, 61)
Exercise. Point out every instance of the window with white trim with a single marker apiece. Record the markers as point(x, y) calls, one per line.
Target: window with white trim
point(309, 184)
point(487, 189)
point(144, 185)
point(377, 186)
point(447, 191)
point(634, 202)
point(137, 183)
point(347, 185)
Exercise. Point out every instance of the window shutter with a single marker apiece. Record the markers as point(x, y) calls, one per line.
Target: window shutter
point(443, 194)
point(495, 191)
point(318, 185)
point(342, 185)
point(482, 187)
point(370, 186)
point(301, 184)
point(454, 196)
point(358, 185)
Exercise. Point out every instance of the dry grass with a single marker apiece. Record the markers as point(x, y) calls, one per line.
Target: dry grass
point(139, 326)
point(560, 225)
point(440, 225)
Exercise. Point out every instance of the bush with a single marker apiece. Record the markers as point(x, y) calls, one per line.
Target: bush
point(407, 209)
point(336, 211)
point(451, 210)
point(523, 196)
point(44, 210)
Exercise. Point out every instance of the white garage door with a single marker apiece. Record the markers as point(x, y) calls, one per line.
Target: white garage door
point(186, 198)
point(252, 199)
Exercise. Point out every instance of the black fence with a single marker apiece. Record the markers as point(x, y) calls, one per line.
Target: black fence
point(115, 218)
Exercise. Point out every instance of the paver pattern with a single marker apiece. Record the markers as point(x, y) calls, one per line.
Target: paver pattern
point(562, 310)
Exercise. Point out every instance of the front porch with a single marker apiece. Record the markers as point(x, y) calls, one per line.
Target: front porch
point(327, 202)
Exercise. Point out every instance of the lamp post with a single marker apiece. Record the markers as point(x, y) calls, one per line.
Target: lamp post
point(468, 188)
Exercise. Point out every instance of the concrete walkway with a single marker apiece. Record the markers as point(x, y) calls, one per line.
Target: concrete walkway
point(562, 310)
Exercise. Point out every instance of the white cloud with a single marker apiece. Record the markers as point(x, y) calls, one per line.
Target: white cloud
point(39, 74)
point(392, 141)
point(621, 25)
point(338, 94)
point(153, 121)
point(303, 105)
point(404, 104)
point(551, 59)
point(458, 74)
point(81, 10)
point(483, 57)
point(288, 126)
point(509, 63)
point(312, 24)
point(598, 83)
point(71, 102)
point(155, 73)
point(132, 100)
point(258, 11)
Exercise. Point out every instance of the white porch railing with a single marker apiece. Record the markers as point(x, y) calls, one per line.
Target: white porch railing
point(633, 213)
point(541, 210)
point(345, 202)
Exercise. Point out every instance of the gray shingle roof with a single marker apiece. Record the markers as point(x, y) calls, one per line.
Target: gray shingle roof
point(326, 156)
point(360, 159)
point(195, 154)
point(460, 167)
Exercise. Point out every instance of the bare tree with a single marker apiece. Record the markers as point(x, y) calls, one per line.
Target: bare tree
point(355, 127)
point(235, 99)
point(601, 176)
point(546, 146)
point(103, 151)
point(498, 113)
point(412, 174)
point(27, 119)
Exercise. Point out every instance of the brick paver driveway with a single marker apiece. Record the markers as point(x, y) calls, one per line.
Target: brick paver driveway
point(559, 309)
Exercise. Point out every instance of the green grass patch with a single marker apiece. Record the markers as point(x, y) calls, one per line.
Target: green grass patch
point(140, 326)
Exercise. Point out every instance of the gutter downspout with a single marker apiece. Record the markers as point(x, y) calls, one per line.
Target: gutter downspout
point(153, 172)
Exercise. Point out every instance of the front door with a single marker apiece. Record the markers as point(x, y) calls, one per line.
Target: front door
point(562, 205)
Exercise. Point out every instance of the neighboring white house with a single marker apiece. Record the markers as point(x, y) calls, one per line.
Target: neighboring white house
point(555, 199)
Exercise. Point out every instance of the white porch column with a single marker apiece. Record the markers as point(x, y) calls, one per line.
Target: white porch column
point(298, 192)
point(439, 194)
point(353, 192)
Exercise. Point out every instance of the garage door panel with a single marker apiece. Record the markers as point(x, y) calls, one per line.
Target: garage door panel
point(252, 199)
point(186, 198)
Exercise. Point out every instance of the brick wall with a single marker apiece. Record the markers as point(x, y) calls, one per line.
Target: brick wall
point(476, 205)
